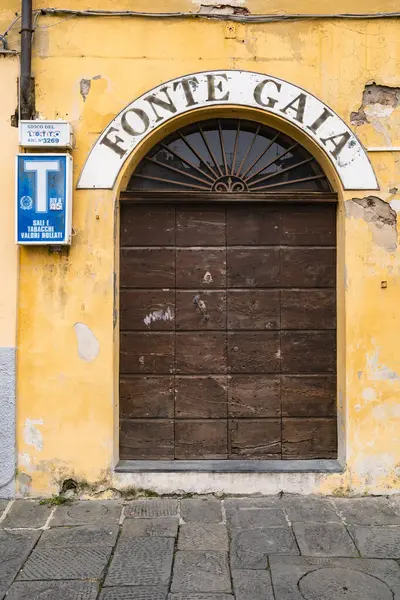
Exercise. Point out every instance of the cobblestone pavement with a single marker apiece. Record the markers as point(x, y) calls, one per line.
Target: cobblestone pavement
point(202, 548)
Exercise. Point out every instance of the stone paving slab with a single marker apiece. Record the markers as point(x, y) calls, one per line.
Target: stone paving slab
point(15, 547)
point(210, 536)
point(15, 544)
point(150, 509)
point(380, 541)
point(201, 510)
point(3, 505)
point(395, 501)
point(250, 548)
point(332, 583)
point(233, 504)
point(53, 590)
point(324, 539)
point(134, 593)
point(252, 585)
point(257, 518)
point(345, 578)
point(70, 560)
point(141, 561)
point(367, 511)
point(189, 596)
point(64, 537)
point(66, 563)
point(201, 572)
point(310, 508)
point(25, 514)
point(159, 527)
point(87, 512)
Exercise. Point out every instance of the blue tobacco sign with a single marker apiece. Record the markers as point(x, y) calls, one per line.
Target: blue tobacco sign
point(43, 199)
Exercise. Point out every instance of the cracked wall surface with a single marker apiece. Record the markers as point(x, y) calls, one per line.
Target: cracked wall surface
point(380, 217)
point(378, 113)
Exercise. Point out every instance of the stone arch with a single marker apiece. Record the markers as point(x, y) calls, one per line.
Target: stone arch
point(228, 88)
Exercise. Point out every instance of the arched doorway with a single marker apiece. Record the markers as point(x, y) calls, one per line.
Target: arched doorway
point(228, 299)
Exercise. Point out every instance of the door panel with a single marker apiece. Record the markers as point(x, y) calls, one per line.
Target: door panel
point(200, 310)
point(228, 331)
point(201, 397)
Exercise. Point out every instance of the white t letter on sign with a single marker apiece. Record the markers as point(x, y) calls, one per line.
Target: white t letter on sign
point(41, 169)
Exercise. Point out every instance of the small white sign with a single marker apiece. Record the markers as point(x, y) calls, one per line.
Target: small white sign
point(36, 134)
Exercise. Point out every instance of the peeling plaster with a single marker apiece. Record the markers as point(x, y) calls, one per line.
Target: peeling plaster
point(378, 371)
point(88, 344)
point(375, 465)
point(213, 3)
point(380, 217)
point(32, 435)
point(386, 411)
point(378, 102)
point(222, 9)
point(24, 460)
point(24, 484)
point(368, 394)
point(84, 87)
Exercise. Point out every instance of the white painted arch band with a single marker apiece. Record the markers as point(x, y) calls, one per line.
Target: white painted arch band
point(223, 88)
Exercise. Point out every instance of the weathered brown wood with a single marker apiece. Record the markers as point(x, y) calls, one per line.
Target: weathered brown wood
point(146, 352)
point(308, 267)
point(253, 267)
point(255, 439)
point(147, 439)
point(146, 397)
point(202, 352)
point(147, 226)
point(147, 267)
point(201, 439)
point(308, 351)
point(254, 309)
point(253, 352)
point(274, 197)
point(304, 396)
point(254, 396)
point(200, 226)
point(201, 267)
point(309, 438)
point(181, 313)
point(201, 397)
point(200, 309)
point(308, 225)
point(147, 310)
point(308, 309)
point(253, 225)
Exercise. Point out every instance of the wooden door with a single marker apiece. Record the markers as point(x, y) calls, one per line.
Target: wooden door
point(228, 331)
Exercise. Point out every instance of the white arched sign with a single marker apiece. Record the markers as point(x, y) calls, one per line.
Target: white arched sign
point(222, 88)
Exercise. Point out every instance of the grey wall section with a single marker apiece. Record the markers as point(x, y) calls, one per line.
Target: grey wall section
point(7, 422)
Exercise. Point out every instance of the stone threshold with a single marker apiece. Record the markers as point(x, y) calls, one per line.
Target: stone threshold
point(230, 466)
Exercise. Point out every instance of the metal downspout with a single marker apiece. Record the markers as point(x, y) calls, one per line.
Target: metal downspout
point(26, 81)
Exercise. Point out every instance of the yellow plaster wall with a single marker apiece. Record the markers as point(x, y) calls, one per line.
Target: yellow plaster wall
point(66, 405)
point(8, 250)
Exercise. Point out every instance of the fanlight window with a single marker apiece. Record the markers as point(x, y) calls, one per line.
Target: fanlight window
point(228, 155)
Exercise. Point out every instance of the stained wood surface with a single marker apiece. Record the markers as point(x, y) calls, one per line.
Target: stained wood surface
point(228, 331)
point(199, 397)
